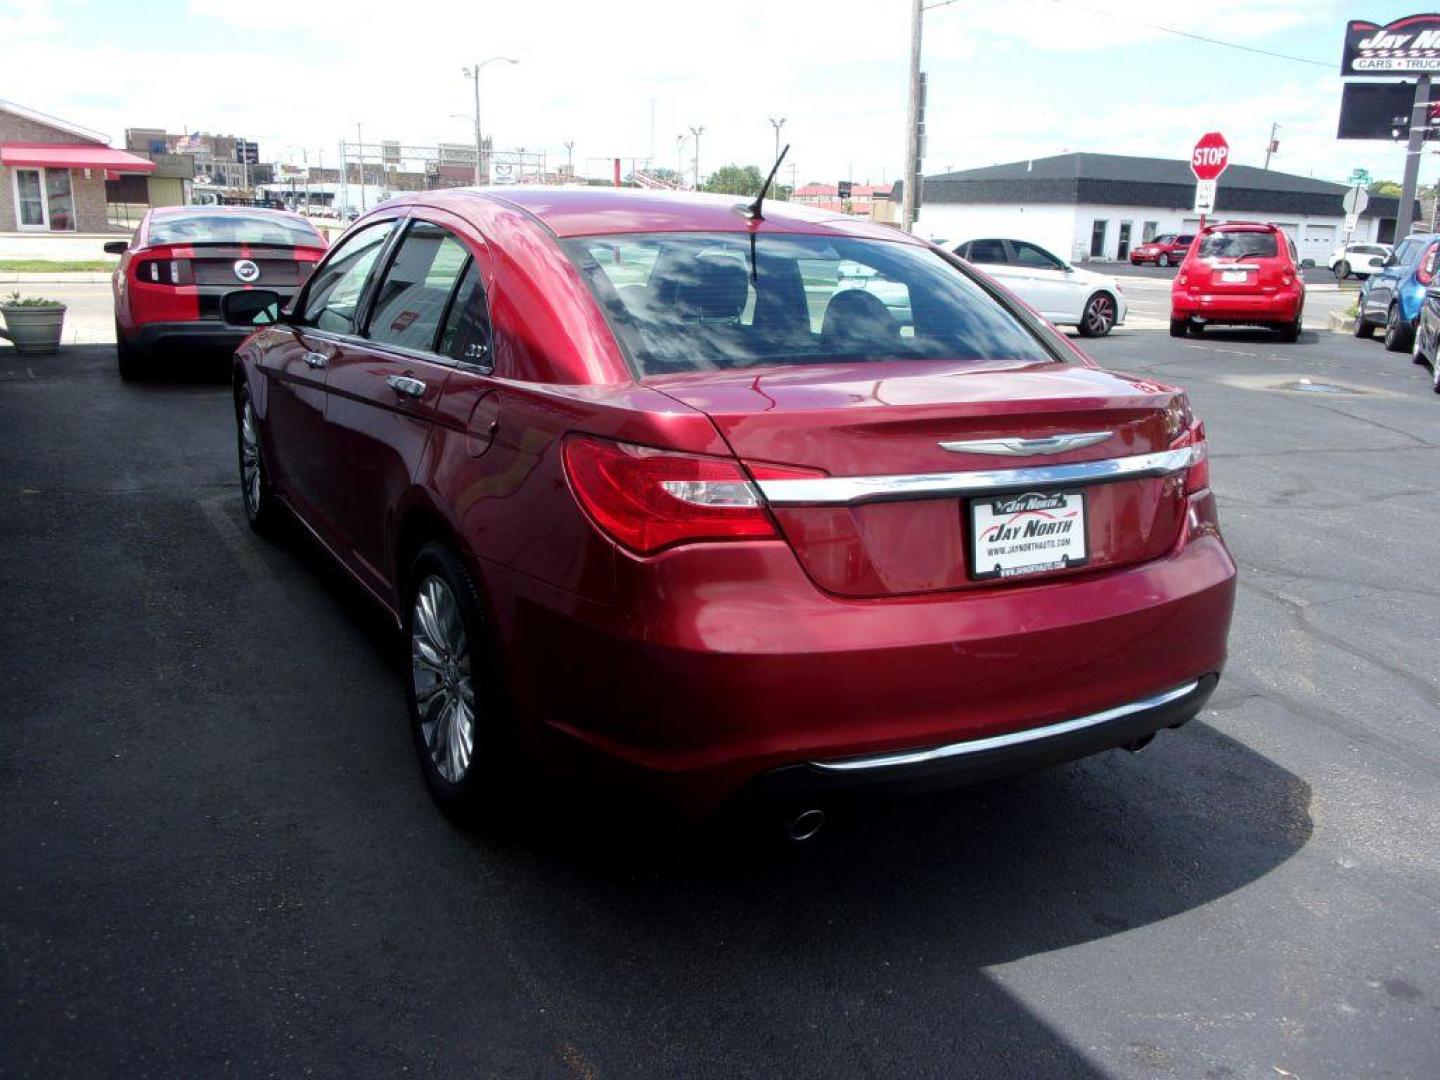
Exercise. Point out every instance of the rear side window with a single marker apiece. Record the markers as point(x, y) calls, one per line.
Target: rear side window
point(987, 251)
point(713, 301)
point(332, 300)
point(415, 291)
point(1239, 245)
point(466, 336)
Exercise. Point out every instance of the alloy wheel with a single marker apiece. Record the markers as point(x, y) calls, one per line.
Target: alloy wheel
point(441, 679)
point(1100, 315)
point(249, 460)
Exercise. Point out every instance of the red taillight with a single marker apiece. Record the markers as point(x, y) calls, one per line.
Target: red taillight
point(1197, 477)
point(1425, 272)
point(164, 272)
point(647, 499)
point(1184, 277)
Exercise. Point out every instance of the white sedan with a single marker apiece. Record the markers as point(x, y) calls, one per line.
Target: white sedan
point(1362, 260)
point(1064, 294)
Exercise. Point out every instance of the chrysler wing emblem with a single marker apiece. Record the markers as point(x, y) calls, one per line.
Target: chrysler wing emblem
point(1049, 444)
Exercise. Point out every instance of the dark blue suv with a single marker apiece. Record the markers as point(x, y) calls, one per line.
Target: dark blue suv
point(1392, 297)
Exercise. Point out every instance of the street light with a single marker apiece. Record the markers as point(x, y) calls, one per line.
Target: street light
point(473, 72)
point(777, 125)
point(697, 132)
point(680, 159)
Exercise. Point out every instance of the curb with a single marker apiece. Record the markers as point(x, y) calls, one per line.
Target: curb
point(79, 277)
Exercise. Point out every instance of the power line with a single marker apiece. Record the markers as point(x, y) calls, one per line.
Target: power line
point(1193, 37)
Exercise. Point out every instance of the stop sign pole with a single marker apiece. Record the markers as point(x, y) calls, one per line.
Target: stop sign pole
point(1208, 160)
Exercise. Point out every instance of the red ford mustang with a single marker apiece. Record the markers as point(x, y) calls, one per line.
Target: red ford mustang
point(183, 259)
point(715, 501)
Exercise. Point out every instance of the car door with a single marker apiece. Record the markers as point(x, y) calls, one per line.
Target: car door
point(993, 257)
point(383, 391)
point(1381, 288)
point(296, 370)
point(1058, 295)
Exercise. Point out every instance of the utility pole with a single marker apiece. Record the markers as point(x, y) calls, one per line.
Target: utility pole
point(344, 180)
point(910, 198)
point(360, 148)
point(697, 132)
point(1271, 146)
point(777, 125)
point(570, 157)
point(680, 159)
point(474, 73)
point(1405, 216)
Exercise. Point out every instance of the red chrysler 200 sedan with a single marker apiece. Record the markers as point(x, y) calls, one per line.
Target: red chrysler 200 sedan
point(718, 500)
point(183, 259)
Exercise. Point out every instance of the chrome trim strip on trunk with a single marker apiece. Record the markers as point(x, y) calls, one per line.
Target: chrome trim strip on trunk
point(849, 490)
point(999, 742)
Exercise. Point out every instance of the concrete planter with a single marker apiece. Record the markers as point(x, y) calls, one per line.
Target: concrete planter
point(34, 330)
point(1341, 323)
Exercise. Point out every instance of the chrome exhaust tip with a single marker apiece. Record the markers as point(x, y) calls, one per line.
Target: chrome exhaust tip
point(805, 825)
point(1138, 745)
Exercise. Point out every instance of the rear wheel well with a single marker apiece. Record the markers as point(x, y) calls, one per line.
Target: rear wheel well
point(419, 527)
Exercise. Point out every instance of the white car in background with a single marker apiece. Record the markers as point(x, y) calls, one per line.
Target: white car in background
point(1064, 294)
point(1362, 260)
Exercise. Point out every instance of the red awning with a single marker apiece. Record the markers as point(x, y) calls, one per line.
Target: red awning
point(20, 155)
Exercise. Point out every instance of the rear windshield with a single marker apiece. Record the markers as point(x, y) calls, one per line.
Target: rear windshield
point(232, 229)
point(682, 302)
point(1238, 245)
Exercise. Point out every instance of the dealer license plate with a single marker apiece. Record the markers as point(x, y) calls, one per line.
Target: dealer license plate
point(1232, 277)
point(1029, 533)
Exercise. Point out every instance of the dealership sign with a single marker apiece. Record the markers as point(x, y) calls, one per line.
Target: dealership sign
point(1411, 44)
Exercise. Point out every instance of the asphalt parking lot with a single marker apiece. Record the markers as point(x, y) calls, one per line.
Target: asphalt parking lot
point(219, 859)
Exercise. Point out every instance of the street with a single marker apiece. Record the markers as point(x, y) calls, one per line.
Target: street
point(220, 858)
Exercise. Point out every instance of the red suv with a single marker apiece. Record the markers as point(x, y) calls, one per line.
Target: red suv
point(1239, 274)
point(714, 497)
point(183, 259)
point(1165, 250)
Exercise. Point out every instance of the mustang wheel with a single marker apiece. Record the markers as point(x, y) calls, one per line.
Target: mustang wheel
point(1099, 316)
point(260, 508)
point(456, 706)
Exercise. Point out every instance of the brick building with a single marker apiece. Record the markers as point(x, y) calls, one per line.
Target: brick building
point(53, 173)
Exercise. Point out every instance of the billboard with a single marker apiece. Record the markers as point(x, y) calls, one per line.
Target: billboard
point(1400, 47)
point(1382, 110)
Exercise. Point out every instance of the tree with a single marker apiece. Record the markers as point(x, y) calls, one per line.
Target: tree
point(1388, 189)
point(735, 180)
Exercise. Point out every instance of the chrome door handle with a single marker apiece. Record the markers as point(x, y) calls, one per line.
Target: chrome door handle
point(316, 360)
point(403, 384)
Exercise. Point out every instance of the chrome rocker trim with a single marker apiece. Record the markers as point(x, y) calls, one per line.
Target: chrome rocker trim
point(851, 490)
point(1000, 742)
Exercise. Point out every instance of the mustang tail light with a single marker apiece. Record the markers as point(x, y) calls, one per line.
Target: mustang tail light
point(648, 499)
point(165, 272)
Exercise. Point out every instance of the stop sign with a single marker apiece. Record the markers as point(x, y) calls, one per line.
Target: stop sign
point(1210, 156)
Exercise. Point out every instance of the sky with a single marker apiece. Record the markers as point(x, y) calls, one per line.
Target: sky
point(1007, 80)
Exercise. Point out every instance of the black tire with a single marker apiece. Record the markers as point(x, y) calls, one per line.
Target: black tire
point(492, 756)
point(1435, 374)
point(1178, 327)
point(1098, 318)
point(129, 359)
point(261, 509)
point(1163, 260)
point(1196, 328)
point(1399, 336)
point(1342, 270)
point(1290, 332)
point(1362, 328)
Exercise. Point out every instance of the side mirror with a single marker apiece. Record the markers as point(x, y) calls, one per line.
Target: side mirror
point(1069, 269)
point(249, 308)
point(116, 247)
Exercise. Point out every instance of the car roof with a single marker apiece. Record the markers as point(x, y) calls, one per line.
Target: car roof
point(592, 211)
point(238, 211)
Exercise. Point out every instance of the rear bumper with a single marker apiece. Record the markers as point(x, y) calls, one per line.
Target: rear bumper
point(1237, 308)
point(194, 334)
point(973, 760)
point(712, 674)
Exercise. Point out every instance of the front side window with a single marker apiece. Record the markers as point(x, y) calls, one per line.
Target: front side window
point(411, 299)
point(333, 299)
point(715, 301)
point(1034, 257)
point(1239, 245)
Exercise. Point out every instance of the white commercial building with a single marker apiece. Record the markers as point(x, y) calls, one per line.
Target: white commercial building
point(1100, 206)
